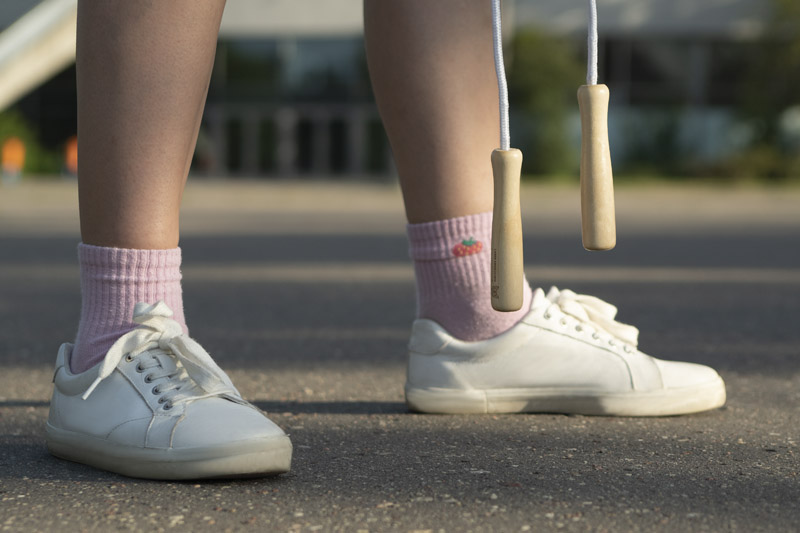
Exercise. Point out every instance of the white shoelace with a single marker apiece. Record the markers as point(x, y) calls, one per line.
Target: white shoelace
point(157, 330)
point(594, 312)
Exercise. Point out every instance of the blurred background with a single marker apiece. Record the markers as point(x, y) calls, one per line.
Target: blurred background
point(296, 274)
point(698, 89)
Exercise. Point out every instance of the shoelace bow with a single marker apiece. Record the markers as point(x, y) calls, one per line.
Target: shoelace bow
point(158, 330)
point(594, 312)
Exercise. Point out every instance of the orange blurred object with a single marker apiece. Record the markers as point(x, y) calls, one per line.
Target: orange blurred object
point(71, 155)
point(12, 155)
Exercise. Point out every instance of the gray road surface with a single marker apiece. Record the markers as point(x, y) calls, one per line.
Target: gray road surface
point(304, 294)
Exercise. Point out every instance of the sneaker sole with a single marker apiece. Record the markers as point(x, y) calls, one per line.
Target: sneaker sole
point(666, 402)
point(254, 458)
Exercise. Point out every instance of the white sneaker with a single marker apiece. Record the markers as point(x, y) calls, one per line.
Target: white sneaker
point(568, 355)
point(159, 407)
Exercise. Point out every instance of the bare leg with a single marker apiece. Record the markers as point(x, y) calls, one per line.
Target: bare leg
point(431, 65)
point(143, 73)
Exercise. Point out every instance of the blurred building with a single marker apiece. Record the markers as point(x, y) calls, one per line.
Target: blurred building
point(674, 67)
point(290, 92)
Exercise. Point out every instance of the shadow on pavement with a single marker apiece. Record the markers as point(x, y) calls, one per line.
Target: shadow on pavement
point(528, 463)
point(333, 407)
point(23, 403)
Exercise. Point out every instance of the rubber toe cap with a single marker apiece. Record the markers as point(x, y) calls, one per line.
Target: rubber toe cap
point(217, 421)
point(677, 375)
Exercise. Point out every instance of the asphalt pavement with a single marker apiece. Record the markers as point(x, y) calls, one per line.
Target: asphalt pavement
point(303, 292)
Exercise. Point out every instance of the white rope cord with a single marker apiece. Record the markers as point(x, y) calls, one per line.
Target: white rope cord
point(591, 60)
point(502, 85)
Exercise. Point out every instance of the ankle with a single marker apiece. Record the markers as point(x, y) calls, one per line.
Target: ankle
point(452, 268)
point(113, 280)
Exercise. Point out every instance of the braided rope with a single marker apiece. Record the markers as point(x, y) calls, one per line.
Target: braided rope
point(499, 67)
point(591, 60)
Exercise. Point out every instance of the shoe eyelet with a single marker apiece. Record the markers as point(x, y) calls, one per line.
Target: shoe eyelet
point(627, 349)
point(578, 328)
point(161, 400)
point(156, 390)
point(595, 336)
point(612, 343)
point(148, 378)
point(167, 406)
point(563, 321)
point(547, 316)
point(139, 369)
point(128, 358)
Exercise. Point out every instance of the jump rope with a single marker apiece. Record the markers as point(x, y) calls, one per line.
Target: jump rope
point(598, 225)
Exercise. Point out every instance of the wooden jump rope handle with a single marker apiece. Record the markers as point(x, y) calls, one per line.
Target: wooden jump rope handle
point(507, 268)
point(598, 224)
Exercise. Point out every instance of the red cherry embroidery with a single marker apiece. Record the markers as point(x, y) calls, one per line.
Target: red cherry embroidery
point(467, 247)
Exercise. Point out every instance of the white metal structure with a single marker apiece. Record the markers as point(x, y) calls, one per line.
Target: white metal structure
point(35, 47)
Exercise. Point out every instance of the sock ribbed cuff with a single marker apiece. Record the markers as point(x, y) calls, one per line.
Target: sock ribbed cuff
point(113, 280)
point(99, 263)
point(453, 274)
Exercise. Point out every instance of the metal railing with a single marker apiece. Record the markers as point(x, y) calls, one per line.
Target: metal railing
point(292, 140)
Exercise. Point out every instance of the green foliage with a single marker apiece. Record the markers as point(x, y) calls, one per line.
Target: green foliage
point(762, 162)
point(38, 160)
point(787, 23)
point(658, 152)
point(773, 76)
point(771, 68)
point(545, 73)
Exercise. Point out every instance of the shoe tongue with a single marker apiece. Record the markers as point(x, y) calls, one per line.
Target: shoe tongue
point(539, 299)
point(172, 365)
point(168, 363)
point(552, 294)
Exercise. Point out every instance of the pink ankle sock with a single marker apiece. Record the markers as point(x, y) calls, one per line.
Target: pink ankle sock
point(113, 280)
point(451, 263)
